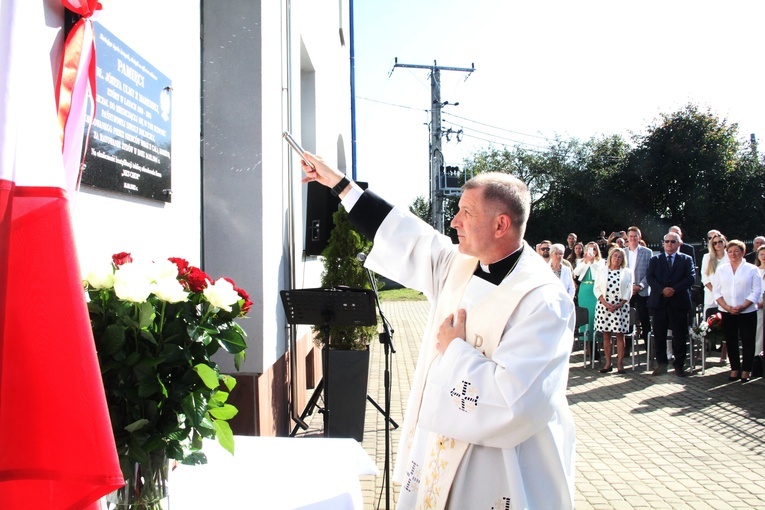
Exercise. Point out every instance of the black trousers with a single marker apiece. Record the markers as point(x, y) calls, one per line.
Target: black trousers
point(675, 319)
point(742, 326)
point(640, 303)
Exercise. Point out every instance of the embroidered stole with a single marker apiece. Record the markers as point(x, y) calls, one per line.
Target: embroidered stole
point(484, 328)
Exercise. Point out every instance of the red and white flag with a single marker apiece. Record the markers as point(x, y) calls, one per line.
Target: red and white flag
point(56, 445)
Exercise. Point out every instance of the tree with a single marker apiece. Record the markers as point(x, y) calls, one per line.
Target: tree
point(682, 169)
point(689, 168)
point(341, 268)
point(421, 208)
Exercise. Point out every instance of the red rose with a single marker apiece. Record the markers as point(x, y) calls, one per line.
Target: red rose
point(182, 264)
point(243, 294)
point(121, 258)
point(197, 279)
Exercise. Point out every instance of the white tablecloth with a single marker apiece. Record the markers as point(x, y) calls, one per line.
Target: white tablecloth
point(274, 473)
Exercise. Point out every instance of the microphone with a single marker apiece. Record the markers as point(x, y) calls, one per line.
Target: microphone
point(361, 257)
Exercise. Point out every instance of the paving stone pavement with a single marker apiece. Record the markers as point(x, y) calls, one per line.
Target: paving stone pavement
point(643, 442)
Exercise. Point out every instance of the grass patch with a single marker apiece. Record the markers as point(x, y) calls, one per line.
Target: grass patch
point(402, 295)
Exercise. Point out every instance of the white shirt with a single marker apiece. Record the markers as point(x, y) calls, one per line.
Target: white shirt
point(709, 297)
point(632, 258)
point(737, 287)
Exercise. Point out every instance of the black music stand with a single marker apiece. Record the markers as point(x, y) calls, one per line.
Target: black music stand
point(324, 308)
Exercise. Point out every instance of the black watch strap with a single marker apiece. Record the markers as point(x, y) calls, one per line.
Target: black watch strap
point(340, 186)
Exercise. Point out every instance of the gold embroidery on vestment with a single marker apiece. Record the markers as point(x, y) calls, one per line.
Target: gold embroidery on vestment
point(437, 465)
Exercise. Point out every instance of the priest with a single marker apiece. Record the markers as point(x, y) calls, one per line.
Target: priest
point(487, 423)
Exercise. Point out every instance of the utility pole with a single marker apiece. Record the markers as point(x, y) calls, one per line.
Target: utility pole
point(438, 186)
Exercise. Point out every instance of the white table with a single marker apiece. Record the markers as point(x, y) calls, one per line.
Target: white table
point(275, 473)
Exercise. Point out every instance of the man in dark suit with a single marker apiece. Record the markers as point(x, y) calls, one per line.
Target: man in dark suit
point(670, 275)
point(685, 248)
point(752, 255)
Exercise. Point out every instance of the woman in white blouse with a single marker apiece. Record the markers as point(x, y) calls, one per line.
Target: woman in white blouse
point(738, 288)
point(715, 257)
point(560, 269)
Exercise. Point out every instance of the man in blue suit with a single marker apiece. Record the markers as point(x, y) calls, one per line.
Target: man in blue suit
point(638, 258)
point(670, 276)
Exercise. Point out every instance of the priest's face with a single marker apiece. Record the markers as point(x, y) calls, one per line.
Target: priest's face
point(475, 224)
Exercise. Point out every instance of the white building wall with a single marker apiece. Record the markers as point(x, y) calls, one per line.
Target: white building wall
point(165, 33)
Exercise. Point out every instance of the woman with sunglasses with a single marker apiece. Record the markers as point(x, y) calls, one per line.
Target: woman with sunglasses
point(716, 257)
point(737, 287)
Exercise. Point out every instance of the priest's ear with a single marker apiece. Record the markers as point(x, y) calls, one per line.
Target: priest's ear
point(503, 225)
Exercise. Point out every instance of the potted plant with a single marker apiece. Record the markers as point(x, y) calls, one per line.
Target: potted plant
point(156, 327)
point(346, 351)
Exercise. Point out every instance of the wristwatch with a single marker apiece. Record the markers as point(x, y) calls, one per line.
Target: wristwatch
point(340, 186)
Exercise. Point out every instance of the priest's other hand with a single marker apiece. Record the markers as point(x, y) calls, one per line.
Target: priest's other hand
point(451, 329)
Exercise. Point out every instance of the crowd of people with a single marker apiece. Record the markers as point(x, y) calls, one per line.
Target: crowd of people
point(614, 274)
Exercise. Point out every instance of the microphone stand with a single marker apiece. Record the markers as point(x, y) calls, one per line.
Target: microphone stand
point(386, 338)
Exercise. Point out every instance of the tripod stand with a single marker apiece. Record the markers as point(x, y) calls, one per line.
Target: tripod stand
point(325, 308)
point(386, 338)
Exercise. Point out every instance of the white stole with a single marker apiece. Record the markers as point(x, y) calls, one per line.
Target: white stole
point(485, 326)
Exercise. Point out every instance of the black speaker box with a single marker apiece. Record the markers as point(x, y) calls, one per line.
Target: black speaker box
point(321, 204)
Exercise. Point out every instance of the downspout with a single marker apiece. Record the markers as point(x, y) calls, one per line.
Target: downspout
point(287, 119)
point(353, 89)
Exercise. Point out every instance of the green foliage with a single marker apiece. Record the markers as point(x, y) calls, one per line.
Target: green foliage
point(341, 268)
point(162, 387)
point(689, 168)
point(421, 208)
point(402, 294)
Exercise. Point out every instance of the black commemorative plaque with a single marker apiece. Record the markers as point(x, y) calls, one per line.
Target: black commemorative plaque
point(128, 148)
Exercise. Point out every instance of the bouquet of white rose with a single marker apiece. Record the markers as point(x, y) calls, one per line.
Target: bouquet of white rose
point(156, 326)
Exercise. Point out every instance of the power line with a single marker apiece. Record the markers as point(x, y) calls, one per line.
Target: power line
point(498, 139)
point(392, 104)
point(497, 127)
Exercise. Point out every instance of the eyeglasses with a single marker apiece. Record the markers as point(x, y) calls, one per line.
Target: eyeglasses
point(545, 249)
point(718, 242)
point(670, 241)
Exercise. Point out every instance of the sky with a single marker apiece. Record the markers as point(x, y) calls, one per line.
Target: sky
point(575, 69)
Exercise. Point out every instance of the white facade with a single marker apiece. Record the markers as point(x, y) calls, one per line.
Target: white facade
point(297, 79)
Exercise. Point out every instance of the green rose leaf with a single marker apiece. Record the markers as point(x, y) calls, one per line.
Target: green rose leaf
point(225, 412)
point(232, 339)
point(208, 375)
point(112, 340)
point(195, 459)
point(174, 450)
point(219, 397)
point(238, 360)
point(224, 435)
point(136, 425)
point(229, 381)
point(194, 406)
point(146, 314)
